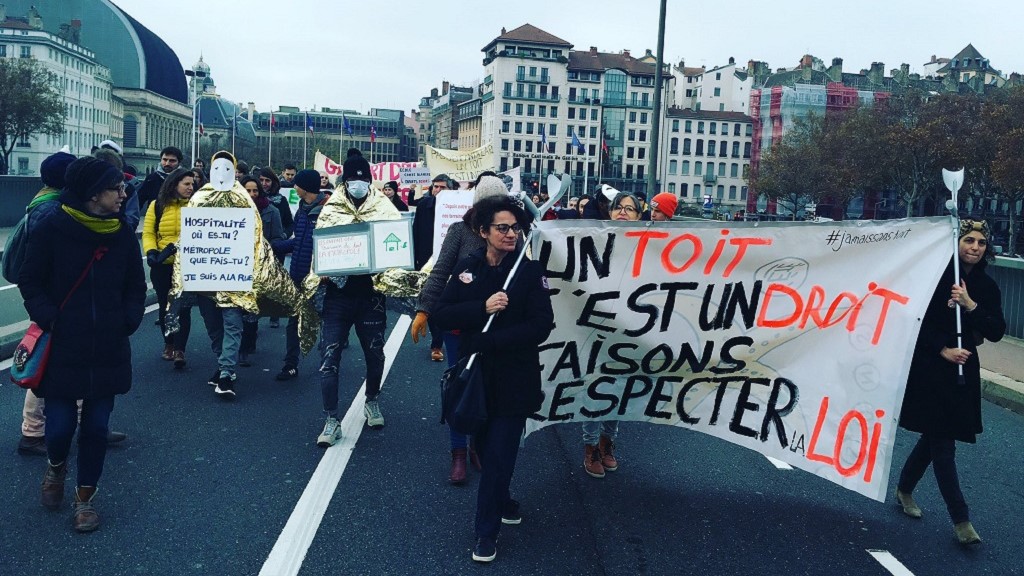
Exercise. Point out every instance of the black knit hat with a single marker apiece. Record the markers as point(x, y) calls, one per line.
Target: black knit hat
point(87, 177)
point(356, 167)
point(53, 168)
point(308, 180)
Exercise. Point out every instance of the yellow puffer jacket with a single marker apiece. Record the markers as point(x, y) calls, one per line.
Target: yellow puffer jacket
point(157, 238)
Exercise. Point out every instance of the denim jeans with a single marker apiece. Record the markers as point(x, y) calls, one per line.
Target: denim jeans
point(224, 325)
point(61, 421)
point(451, 349)
point(341, 313)
point(941, 454)
point(436, 335)
point(498, 447)
point(594, 429)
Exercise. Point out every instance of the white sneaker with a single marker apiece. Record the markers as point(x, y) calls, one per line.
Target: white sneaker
point(331, 434)
point(374, 419)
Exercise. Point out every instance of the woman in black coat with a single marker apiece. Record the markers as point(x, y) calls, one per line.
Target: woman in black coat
point(90, 356)
point(509, 360)
point(935, 404)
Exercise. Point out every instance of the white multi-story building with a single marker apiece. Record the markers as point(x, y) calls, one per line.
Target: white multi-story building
point(708, 154)
point(85, 85)
point(538, 94)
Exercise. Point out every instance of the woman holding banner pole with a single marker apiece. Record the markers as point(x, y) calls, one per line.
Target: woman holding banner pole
point(510, 357)
point(935, 404)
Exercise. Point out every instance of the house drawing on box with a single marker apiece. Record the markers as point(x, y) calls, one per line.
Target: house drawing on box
point(391, 243)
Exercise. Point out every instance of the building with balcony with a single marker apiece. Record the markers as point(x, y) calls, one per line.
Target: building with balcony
point(468, 118)
point(722, 89)
point(84, 82)
point(145, 76)
point(538, 94)
point(708, 154)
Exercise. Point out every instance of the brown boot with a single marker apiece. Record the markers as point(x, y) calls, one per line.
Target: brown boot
point(53, 485)
point(607, 457)
point(86, 519)
point(592, 460)
point(966, 534)
point(458, 472)
point(179, 359)
point(168, 353)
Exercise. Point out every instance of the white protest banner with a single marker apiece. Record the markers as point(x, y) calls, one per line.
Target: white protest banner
point(791, 339)
point(217, 249)
point(382, 171)
point(460, 165)
point(293, 198)
point(417, 176)
point(451, 206)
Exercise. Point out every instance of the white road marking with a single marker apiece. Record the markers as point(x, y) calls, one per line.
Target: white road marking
point(8, 287)
point(290, 549)
point(890, 563)
point(779, 463)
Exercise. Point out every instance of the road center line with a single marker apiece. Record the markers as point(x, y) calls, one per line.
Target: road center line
point(890, 563)
point(290, 549)
point(779, 463)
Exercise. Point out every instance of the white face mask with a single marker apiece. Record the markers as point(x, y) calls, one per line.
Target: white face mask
point(222, 174)
point(358, 189)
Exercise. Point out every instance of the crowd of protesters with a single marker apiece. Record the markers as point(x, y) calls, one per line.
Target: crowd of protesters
point(82, 278)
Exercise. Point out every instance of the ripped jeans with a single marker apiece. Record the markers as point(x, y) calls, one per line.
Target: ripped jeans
point(340, 314)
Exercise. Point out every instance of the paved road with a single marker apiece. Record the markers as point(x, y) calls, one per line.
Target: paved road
point(205, 487)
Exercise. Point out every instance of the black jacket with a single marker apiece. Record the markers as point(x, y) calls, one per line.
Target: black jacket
point(423, 229)
point(510, 359)
point(90, 356)
point(934, 403)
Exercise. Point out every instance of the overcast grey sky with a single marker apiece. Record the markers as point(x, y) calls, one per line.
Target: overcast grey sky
point(389, 53)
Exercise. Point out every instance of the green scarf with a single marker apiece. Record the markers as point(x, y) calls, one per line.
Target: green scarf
point(44, 195)
point(98, 225)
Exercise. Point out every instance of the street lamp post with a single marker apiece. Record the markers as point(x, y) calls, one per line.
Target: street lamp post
point(652, 168)
point(195, 75)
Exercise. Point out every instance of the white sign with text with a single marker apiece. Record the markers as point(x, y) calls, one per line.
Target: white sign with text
point(217, 249)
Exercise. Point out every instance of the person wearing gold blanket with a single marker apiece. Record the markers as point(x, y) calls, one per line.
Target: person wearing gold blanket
point(352, 301)
point(273, 293)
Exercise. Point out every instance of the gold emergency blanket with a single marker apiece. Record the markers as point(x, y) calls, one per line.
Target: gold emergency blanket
point(273, 292)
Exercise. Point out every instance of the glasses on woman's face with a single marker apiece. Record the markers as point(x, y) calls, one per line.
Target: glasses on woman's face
point(504, 228)
point(119, 189)
point(624, 208)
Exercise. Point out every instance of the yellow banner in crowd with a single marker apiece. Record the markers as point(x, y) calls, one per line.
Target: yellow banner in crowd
point(460, 165)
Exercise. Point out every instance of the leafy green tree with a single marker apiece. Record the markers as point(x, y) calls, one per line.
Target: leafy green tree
point(30, 104)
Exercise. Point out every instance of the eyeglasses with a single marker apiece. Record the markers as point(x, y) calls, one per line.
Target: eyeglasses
point(504, 228)
point(120, 189)
point(626, 209)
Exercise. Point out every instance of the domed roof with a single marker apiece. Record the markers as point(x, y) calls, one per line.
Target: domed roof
point(136, 57)
point(201, 66)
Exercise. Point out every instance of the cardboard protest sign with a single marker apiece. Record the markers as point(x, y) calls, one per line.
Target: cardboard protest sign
point(450, 207)
point(791, 339)
point(417, 176)
point(216, 249)
point(363, 248)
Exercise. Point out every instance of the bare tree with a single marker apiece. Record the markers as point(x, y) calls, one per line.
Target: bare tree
point(30, 104)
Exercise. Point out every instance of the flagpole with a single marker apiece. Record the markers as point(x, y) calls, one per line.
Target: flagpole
point(305, 139)
point(270, 142)
point(233, 130)
point(341, 139)
point(586, 158)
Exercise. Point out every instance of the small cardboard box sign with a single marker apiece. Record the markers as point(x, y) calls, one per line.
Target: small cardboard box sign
point(363, 248)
